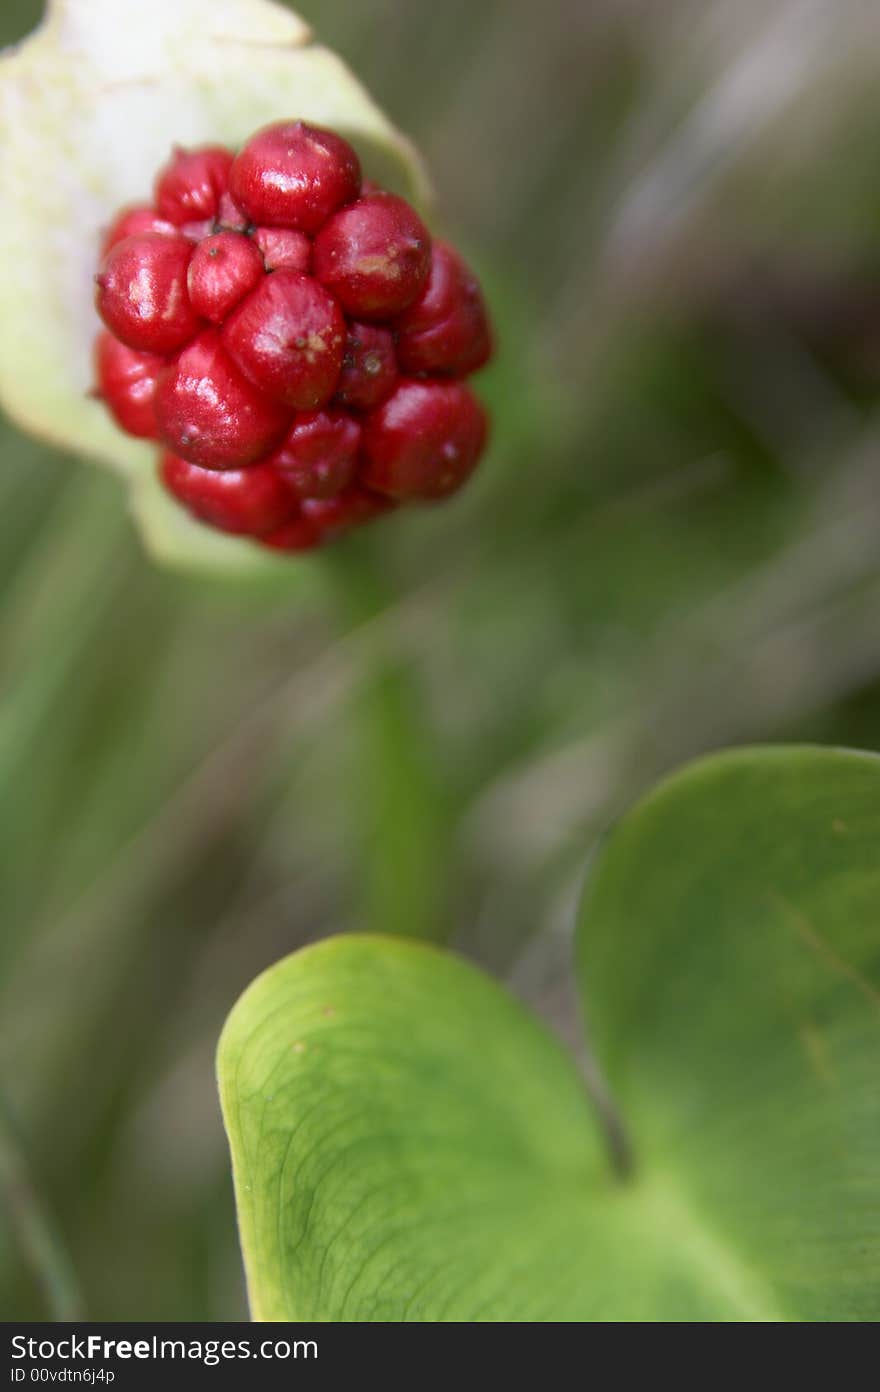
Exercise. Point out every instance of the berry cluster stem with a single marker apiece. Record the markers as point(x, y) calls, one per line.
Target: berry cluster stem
point(398, 798)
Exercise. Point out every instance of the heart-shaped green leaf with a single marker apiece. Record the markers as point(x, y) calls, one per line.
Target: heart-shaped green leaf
point(408, 1143)
point(90, 107)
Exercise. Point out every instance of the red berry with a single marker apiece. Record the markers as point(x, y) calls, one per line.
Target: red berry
point(223, 269)
point(354, 507)
point(320, 520)
point(288, 337)
point(283, 247)
point(197, 231)
point(424, 441)
point(446, 329)
point(299, 534)
point(229, 215)
point(319, 453)
point(247, 502)
point(131, 221)
point(374, 255)
point(141, 292)
point(189, 188)
point(369, 367)
point(210, 414)
point(294, 175)
point(126, 382)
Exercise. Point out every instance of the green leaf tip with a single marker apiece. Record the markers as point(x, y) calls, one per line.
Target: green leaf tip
point(356, 1078)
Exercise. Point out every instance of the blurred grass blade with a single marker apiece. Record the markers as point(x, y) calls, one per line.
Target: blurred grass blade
point(35, 1229)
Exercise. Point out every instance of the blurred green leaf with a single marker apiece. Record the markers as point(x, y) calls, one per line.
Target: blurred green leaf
point(409, 1144)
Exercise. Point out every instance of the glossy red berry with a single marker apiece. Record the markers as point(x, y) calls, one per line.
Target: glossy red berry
point(446, 330)
point(229, 215)
point(247, 502)
point(131, 221)
point(209, 414)
point(374, 256)
point(354, 507)
point(288, 336)
point(424, 441)
point(141, 292)
point(222, 269)
point(282, 247)
point(293, 175)
point(300, 533)
point(197, 231)
point(318, 456)
point(189, 188)
point(126, 383)
point(369, 367)
point(322, 520)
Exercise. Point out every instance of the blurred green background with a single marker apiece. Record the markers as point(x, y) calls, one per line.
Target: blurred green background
point(674, 545)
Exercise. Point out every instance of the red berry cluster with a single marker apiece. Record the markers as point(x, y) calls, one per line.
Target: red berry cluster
point(293, 338)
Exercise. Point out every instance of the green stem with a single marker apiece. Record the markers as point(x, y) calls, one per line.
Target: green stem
point(34, 1229)
point(396, 791)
